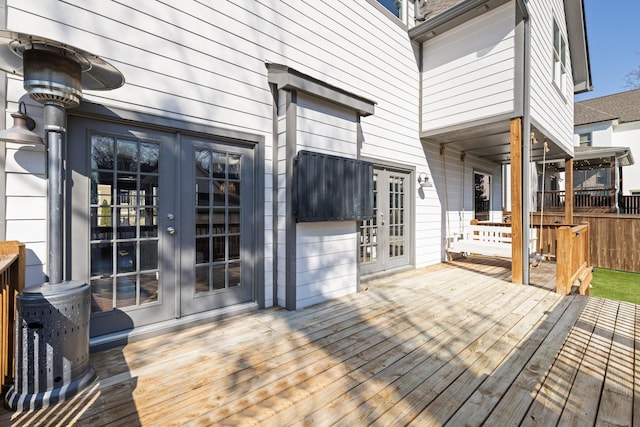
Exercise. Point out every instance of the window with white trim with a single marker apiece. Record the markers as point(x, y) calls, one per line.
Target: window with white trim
point(559, 58)
point(394, 6)
point(585, 140)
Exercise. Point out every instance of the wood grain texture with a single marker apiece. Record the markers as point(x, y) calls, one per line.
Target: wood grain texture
point(452, 344)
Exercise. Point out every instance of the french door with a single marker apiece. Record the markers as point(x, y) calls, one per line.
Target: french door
point(385, 239)
point(159, 223)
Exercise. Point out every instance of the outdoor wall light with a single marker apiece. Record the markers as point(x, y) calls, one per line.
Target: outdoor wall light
point(424, 180)
point(21, 131)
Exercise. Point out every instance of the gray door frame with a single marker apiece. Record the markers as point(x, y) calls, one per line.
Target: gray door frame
point(384, 263)
point(77, 242)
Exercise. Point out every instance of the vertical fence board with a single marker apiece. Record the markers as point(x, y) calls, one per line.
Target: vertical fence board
point(614, 239)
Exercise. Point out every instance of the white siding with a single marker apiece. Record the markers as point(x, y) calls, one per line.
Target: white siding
point(326, 261)
point(550, 109)
point(26, 192)
point(628, 135)
point(326, 256)
point(468, 72)
point(454, 185)
point(203, 62)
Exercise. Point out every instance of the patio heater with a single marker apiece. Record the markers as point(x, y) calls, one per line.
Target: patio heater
point(52, 324)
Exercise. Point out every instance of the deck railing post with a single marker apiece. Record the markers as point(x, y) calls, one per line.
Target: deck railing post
point(13, 280)
point(563, 261)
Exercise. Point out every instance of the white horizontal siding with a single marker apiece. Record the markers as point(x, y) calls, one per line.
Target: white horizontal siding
point(203, 62)
point(326, 128)
point(468, 72)
point(550, 109)
point(326, 261)
point(453, 180)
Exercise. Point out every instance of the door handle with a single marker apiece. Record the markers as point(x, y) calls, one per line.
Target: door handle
point(171, 231)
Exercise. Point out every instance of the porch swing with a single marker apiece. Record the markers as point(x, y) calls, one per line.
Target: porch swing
point(477, 238)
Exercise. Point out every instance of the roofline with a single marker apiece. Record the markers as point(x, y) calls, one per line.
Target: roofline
point(613, 119)
point(578, 46)
point(453, 17)
point(617, 152)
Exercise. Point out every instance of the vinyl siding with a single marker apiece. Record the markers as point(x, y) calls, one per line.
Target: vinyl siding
point(453, 180)
point(468, 72)
point(204, 62)
point(550, 109)
point(326, 261)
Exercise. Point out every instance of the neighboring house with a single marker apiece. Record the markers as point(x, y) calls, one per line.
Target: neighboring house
point(180, 184)
point(613, 122)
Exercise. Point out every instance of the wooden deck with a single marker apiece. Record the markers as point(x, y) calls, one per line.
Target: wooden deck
point(451, 344)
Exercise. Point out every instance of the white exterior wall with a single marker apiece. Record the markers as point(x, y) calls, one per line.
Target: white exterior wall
point(468, 72)
point(26, 189)
point(205, 63)
point(453, 180)
point(551, 110)
point(628, 135)
point(601, 134)
point(326, 252)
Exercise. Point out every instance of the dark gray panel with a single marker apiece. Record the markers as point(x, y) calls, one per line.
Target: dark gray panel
point(332, 188)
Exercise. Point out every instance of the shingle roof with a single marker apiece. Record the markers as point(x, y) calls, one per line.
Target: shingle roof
point(434, 8)
point(624, 106)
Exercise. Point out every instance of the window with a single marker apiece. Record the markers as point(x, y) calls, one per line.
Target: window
point(482, 196)
point(559, 58)
point(393, 6)
point(585, 140)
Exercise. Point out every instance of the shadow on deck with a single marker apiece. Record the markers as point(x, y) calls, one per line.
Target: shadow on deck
point(449, 344)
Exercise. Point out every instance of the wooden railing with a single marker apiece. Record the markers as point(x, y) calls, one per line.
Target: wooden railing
point(12, 275)
point(573, 265)
point(591, 200)
point(629, 204)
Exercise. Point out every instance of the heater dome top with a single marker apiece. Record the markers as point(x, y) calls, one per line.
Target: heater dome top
point(96, 73)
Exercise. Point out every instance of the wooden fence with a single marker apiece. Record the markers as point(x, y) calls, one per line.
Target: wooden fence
point(12, 275)
point(573, 267)
point(614, 239)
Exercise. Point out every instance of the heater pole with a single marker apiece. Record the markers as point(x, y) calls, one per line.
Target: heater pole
point(54, 121)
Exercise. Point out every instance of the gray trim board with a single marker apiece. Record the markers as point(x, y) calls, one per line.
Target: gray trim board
point(259, 226)
point(121, 115)
point(291, 302)
point(274, 191)
point(470, 124)
point(287, 78)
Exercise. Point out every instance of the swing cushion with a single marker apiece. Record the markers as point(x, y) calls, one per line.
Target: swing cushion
point(488, 240)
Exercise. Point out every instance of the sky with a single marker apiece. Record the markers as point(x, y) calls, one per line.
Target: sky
point(613, 34)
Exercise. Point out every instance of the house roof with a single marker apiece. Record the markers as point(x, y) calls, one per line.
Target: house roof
point(623, 106)
point(433, 8)
point(602, 155)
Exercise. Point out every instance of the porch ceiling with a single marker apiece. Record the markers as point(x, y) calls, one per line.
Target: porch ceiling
point(492, 142)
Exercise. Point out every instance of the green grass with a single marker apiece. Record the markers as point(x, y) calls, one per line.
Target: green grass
point(616, 285)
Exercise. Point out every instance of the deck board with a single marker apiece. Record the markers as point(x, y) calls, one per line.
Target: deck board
point(453, 344)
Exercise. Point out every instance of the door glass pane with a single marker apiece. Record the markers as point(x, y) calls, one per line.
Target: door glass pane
point(102, 155)
point(396, 216)
point(124, 256)
point(482, 196)
point(369, 231)
point(217, 185)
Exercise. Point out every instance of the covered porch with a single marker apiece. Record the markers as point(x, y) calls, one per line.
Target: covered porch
point(454, 343)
